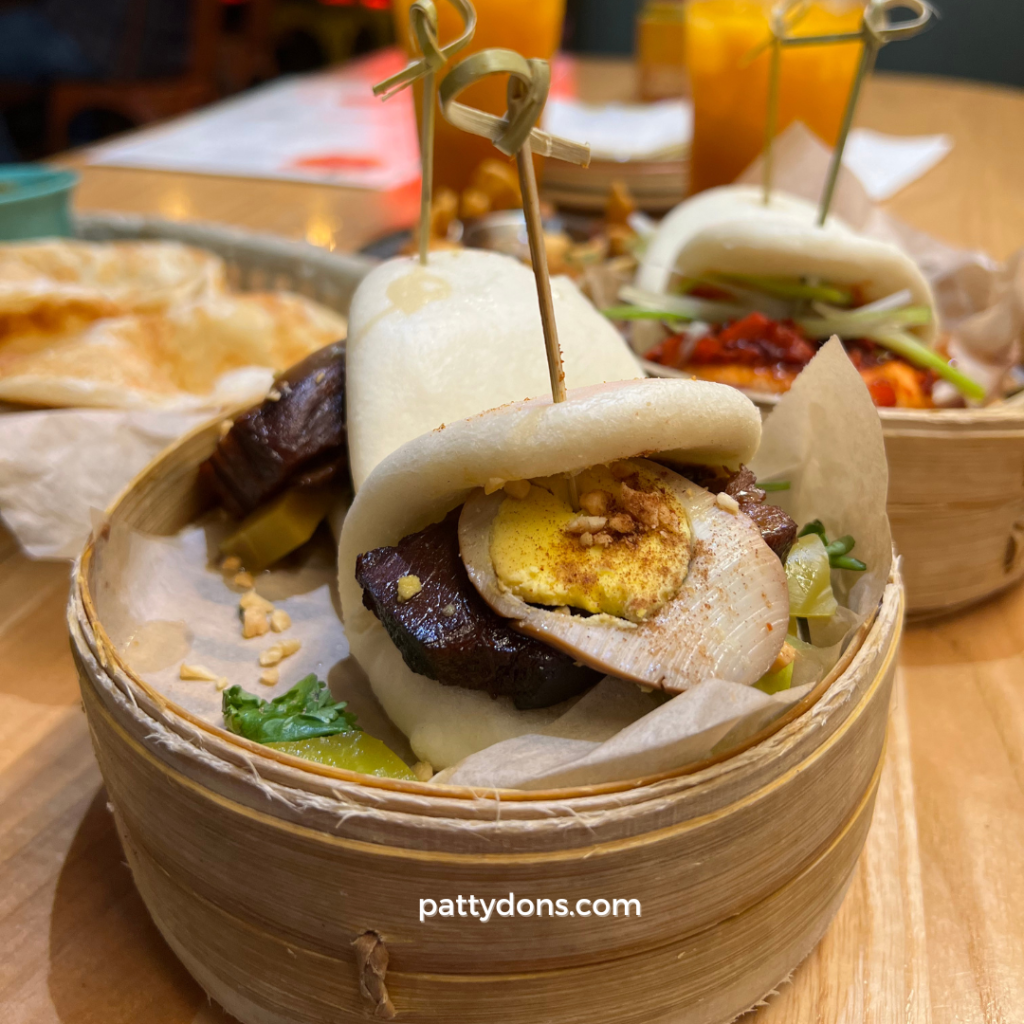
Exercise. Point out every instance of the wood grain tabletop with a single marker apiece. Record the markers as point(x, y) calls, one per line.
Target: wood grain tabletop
point(932, 929)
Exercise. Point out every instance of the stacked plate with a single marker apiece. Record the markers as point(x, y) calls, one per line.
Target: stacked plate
point(644, 146)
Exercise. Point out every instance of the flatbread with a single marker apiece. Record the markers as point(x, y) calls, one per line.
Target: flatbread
point(679, 420)
point(731, 230)
point(93, 279)
point(216, 350)
point(435, 344)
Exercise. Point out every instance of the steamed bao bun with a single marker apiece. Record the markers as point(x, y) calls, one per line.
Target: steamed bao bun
point(730, 230)
point(675, 420)
point(435, 344)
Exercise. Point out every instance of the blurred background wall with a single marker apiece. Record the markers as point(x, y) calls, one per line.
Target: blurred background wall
point(980, 39)
point(74, 71)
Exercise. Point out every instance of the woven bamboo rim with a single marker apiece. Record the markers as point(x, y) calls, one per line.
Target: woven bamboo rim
point(434, 856)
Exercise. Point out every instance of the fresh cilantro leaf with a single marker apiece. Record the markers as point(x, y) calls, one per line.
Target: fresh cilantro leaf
point(306, 710)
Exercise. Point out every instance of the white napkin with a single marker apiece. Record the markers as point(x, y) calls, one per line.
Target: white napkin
point(57, 465)
point(623, 131)
point(887, 163)
point(884, 164)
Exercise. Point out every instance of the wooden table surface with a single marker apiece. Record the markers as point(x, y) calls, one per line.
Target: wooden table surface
point(933, 927)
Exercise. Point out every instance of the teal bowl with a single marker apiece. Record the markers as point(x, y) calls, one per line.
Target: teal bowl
point(35, 202)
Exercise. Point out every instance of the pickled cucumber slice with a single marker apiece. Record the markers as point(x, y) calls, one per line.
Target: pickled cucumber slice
point(773, 682)
point(810, 580)
point(279, 527)
point(354, 751)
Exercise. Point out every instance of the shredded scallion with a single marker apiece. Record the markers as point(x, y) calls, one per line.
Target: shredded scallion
point(902, 344)
point(789, 288)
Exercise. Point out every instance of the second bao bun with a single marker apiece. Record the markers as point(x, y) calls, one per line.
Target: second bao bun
point(730, 230)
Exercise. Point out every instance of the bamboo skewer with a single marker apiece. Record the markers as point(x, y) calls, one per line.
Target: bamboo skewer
point(876, 30)
point(538, 255)
point(512, 135)
point(771, 122)
point(539, 259)
point(423, 25)
point(429, 101)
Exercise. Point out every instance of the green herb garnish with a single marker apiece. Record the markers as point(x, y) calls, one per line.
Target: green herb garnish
point(774, 485)
point(838, 550)
point(306, 710)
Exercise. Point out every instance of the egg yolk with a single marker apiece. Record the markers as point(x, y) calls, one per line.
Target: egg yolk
point(625, 553)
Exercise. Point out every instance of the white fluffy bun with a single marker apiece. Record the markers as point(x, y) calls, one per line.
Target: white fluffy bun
point(730, 230)
point(676, 420)
point(435, 344)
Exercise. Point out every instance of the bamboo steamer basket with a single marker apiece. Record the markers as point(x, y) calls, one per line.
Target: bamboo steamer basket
point(262, 870)
point(956, 499)
point(956, 502)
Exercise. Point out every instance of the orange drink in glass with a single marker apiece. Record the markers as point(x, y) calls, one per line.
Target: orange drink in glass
point(659, 50)
point(532, 28)
point(730, 92)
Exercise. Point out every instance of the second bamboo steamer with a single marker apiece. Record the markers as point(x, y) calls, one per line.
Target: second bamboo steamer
point(956, 503)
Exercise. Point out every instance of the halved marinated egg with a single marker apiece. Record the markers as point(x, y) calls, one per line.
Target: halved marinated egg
point(652, 580)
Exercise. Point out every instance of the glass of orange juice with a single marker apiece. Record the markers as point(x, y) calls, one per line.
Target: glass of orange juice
point(730, 92)
point(659, 50)
point(532, 28)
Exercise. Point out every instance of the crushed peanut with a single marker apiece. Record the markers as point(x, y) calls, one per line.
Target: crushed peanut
point(271, 656)
point(448, 610)
point(649, 509)
point(728, 502)
point(231, 564)
point(250, 599)
point(282, 649)
point(785, 657)
point(274, 395)
point(197, 673)
point(517, 489)
point(408, 587)
point(611, 518)
point(270, 676)
point(585, 524)
point(494, 483)
point(319, 378)
point(423, 770)
point(641, 505)
point(222, 683)
point(280, 620)
point(595, 503)
point(254, 622)
point(244, 580)
point(621, 523)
